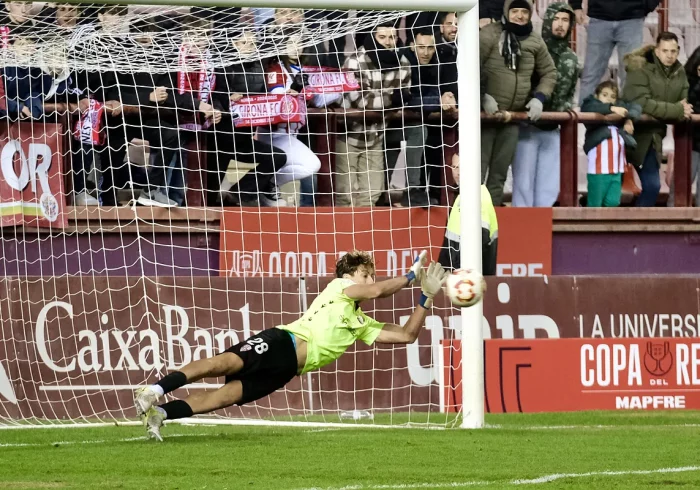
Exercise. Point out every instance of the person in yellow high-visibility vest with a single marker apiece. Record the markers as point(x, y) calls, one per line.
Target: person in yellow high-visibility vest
point(449, 255)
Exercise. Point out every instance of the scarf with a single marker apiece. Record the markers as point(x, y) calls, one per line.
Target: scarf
point(509, 44)
point(201, 83)
point(382, 58)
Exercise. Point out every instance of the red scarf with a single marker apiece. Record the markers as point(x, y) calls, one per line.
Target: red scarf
point(202, 83)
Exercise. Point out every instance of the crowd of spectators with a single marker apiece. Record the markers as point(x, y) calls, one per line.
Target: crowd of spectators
point(405, 67)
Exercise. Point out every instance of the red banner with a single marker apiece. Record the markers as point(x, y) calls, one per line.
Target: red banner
point(324, 80)
point(262, 110)
point(582, 374)
point(524, 242)
point(308, 242)
point(31, 175)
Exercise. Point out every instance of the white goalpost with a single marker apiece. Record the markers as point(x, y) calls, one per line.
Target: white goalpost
point(103, 292)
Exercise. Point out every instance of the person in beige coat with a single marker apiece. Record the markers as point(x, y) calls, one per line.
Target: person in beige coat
point(511, 56)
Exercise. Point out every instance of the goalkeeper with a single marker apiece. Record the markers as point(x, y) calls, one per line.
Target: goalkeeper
point(267, 361)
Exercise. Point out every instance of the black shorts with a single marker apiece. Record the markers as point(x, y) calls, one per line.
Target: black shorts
point(269, 363)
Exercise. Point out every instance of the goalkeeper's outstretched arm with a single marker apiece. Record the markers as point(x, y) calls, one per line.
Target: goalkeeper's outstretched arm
point(384, 289)
point(431, 284)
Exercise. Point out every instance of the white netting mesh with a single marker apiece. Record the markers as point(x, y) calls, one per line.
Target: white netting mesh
point(168, 186)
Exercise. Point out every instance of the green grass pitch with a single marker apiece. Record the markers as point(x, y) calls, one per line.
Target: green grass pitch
point(601, 450)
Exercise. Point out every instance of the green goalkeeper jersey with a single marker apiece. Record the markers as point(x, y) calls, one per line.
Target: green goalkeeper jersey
point(332, 323)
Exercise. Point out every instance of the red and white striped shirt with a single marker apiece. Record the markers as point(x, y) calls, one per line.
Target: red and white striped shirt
point(609, 156)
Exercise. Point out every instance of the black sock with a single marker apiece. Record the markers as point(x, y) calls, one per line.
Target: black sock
point(177, 409)
point(172, 381)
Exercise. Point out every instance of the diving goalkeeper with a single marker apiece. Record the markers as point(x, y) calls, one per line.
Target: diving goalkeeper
point(266, 362)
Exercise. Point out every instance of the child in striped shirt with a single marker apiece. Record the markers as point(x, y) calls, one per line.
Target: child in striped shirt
point(605, 145)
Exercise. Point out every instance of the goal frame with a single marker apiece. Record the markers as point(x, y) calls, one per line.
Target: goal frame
point(469, 110)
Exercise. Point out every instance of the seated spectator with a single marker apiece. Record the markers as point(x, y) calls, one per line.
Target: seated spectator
point(657, 82)
point(426, 98)
point(537, 162)
point(605, 145)
point(38, 94)
point(510, 54)
point(146, 98)
point(613, 24)
point(16, 21)
point(288, 22)
point(385, 78)
point(104, 91)
point(287, 76)
point(692, 71)
point(450, 251)
point(234, 82)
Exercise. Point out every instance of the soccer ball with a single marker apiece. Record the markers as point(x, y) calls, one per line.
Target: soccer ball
point(465, 287)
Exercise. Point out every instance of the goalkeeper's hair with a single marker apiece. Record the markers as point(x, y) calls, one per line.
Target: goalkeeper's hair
point(351, 261)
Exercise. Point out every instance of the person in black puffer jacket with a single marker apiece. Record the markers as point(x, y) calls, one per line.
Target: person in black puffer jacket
point(618, 23)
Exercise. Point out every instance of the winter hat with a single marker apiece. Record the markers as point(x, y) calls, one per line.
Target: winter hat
point(520, 4)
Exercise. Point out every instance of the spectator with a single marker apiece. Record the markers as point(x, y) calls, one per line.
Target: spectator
point(105, 89)
point(16, 21)
point(426, 98)
point(510, 54)
point(536, 166)
point(450, 251)
point(285, 24)
point(605, 145)
point(384, 80)
point(287, 76)
point(63, 15)
point(447, 54)
point(692, 71)
point(144, 97)
point(234, 82)
point(657, 82)
point(613, 23)
point(61, 90)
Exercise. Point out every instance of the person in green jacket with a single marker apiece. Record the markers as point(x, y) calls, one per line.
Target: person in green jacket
point(656, 81)
point(510, 53)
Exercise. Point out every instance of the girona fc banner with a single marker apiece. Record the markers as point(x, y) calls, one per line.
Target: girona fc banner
point(324, 80)
point(582, 374)
point(308, 242)
point(262, 110)
point(31, 175)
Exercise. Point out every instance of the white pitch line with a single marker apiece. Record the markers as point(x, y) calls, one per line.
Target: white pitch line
point(551, 478)
point(483, 483)
point(97, 441)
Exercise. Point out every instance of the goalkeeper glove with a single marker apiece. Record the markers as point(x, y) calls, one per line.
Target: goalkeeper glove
point(431, 284)
point(415, 273)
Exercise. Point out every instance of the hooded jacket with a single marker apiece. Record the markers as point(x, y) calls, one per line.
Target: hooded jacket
point(565, 60)
point(512, 89)
point(658, 90)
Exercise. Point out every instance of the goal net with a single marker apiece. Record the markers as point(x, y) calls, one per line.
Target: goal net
point(175, 179)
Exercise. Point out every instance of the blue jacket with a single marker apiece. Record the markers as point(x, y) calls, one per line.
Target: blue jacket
point(31, 87)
